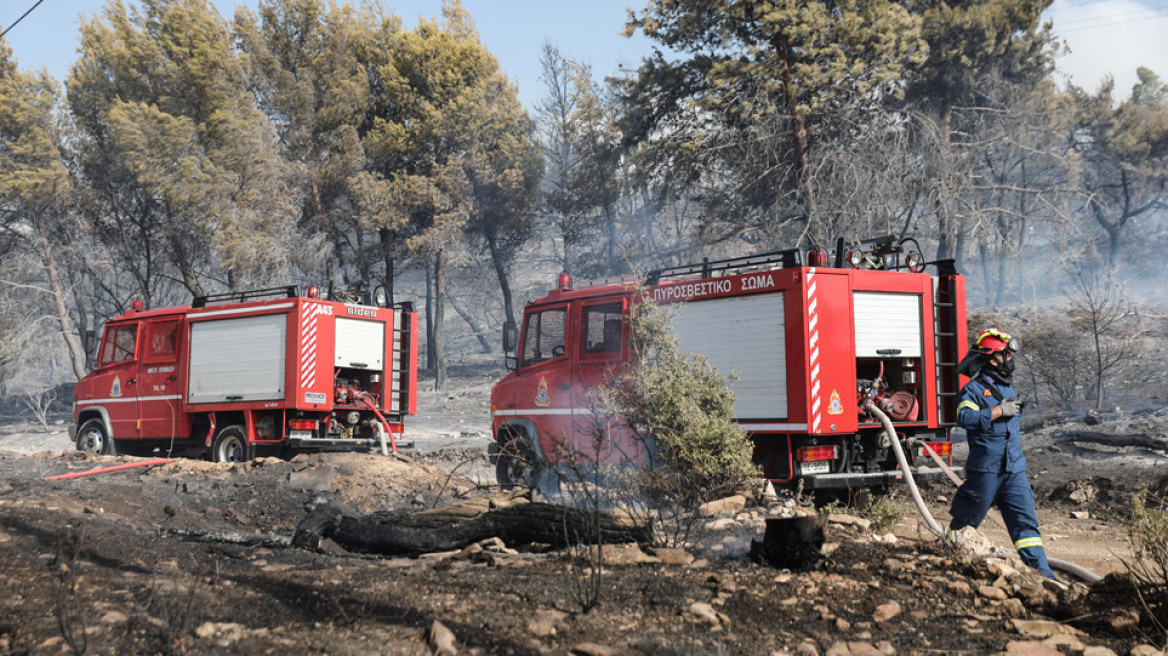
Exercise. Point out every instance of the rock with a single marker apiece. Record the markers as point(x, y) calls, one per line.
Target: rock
point(319, 479)
point(1013, 608)
point(593, 649)
point(672, 555)
point(1039, 628)
point(959, 588)
point(622, 554)
point(227, 629)
point(547, 623)
point(722, 524)
point(1080, 514)
point(849, 520)
point(1030, 648)
point(442, 642)
point(853, 649)
point(990, 592)
point(1098, 651)
point(1145, 650)
point(1065, 640)
point(885, 612)
point(807, 648)
point(973, 541)
point(842, 625)
point(113, 617)
point(703, 612)
point(885, 647)
point(1124, 620)
point(728, 504)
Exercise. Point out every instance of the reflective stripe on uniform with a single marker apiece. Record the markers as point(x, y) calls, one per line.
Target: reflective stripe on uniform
point(969, 405)
point(1028, 542)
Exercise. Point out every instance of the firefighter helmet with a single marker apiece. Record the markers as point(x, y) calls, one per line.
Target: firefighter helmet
point(992, 340)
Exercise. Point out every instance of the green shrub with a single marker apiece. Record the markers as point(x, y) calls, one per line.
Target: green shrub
point(1148, 530)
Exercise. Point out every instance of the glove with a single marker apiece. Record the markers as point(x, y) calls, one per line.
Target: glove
point(1009, 407)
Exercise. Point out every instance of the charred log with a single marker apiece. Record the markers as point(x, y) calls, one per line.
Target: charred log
point(513, 517)
point(1133, 441)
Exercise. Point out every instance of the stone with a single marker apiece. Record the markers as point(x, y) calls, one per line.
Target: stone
point(592, 649)
point(1080, 514)
point(1012, 608)
point(990, 592)
point(849, 520)
point(731, 504)
point(807, 648)
point(442, 641)
point(959, 588)
point(852, 649)
point(1098, 651)
point(703, 612)
point(1038, 628)
point(672, 555)
point(113, 617)
point(972, 540)
point(886, 648)
point(319, 479)
point(1145, 650)
point(1065, 640)
point(885, 612)
point(1124, 620)
point(622, 554)
point(546, 623)
point(722, 524)
point(1030, 648)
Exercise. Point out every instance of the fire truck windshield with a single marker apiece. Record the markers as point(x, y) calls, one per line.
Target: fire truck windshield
point(543, 335)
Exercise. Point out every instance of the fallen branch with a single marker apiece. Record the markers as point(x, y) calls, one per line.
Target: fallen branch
point(1137, 440)
point(512, 517)
point(246, 539)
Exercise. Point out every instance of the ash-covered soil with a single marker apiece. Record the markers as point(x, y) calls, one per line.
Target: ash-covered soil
point(139, 561)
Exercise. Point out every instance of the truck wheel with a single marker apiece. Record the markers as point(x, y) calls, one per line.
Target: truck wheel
point(92, 438)
point(516, 464)
point(231, 445)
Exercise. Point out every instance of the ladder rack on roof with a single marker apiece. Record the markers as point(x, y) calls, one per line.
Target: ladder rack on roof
point(709, 269)
point(288, 291)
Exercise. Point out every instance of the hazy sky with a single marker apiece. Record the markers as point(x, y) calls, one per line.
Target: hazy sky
point(1104, 36)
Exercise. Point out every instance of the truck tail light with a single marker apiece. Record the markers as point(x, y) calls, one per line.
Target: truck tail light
point(302, 424)
point(940, 448)
point(815, 453)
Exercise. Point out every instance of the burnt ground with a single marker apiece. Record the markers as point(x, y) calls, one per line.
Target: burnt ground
point(120, 563)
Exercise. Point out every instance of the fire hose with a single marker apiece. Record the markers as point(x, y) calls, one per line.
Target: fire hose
point(106, 470)
point(383, 429)
point(1056, 563)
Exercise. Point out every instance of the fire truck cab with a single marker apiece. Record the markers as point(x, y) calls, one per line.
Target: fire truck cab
point(807, 343)
point(267, 370)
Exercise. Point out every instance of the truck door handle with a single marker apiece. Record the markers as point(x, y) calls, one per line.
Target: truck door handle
point(564, 386)
point(358, 365)
point(131, 381)
point(172, 378)
point(234, 398)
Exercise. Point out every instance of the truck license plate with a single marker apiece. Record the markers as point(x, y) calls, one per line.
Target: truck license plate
point(821, 467)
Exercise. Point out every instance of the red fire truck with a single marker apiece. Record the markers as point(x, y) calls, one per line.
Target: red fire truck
point(808, 344)
point(241, 372)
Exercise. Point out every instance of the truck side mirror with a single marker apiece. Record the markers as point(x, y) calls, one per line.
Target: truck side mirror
point(510, 336)
point(90, 341)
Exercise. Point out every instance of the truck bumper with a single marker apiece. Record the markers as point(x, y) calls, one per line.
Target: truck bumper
point(320, 444)
point(849, 480)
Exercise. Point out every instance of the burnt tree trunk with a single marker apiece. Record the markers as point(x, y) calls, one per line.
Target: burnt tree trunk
point(512, 517)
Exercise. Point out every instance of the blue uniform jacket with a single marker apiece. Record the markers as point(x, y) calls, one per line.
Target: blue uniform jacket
point(994, 446)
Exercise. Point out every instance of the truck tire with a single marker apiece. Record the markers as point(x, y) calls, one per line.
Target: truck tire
point(516, 464)
point(231, 445)
point(92, 438)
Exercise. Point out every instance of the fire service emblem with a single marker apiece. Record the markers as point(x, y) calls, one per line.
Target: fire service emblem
point(541, 397)
point(835, 406)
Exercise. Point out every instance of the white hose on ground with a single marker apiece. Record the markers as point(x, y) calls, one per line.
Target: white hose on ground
point(871, 409)
point(1055, 563)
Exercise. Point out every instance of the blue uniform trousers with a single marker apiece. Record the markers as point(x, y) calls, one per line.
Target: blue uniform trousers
point(1012, 494)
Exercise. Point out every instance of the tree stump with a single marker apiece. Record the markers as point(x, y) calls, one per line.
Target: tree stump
point(790, 543)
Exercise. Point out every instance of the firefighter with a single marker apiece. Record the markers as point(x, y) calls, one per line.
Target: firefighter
point(996, 469)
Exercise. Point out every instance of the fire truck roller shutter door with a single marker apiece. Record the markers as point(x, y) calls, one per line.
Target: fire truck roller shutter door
point(238, 358)
point(887, 322)
point(744, 335)
point(360, 343)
